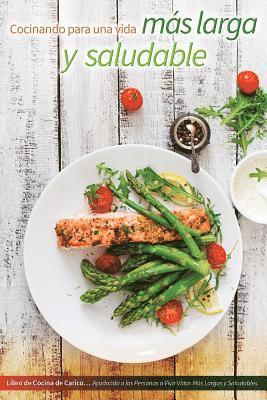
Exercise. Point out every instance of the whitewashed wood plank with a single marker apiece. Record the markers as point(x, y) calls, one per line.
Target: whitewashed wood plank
point(89, 96)
point(196, 87)
point(251, 297)
point(151, 124)
point(29, 159)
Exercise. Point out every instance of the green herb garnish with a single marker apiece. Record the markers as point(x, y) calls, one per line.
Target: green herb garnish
point(90, 192)
point(124, 185)
point(126, 229)
point(244, 114)
point(202, 291)
point(214, 219)
point(106, 171)
point(213, 216)
point(260, 174)
point(221, 270)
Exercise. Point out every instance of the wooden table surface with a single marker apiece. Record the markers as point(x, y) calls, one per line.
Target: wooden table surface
point(47, 121)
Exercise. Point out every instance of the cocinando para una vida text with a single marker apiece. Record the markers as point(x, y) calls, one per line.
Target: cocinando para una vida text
point(172, 54)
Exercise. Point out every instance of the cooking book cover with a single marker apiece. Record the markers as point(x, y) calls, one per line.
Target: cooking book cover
point(133, 166)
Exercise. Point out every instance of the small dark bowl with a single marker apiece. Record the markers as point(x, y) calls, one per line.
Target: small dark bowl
point(193, 118)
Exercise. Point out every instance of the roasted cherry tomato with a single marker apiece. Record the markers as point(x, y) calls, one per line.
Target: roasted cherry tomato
point(216, 255)
point(108, 263)
point(170, 313)
point(131, 99)
point(103, 200)
point(248, 82)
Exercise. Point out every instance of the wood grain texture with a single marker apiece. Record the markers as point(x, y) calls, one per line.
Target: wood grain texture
point(88, 97)
point(196, 87)
point(251, 295)
point(29, 159)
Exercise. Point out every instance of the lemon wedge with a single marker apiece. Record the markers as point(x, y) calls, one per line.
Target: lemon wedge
point(207, 303)
point(175, 179)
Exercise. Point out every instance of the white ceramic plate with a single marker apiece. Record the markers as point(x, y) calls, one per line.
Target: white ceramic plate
point(56, 282)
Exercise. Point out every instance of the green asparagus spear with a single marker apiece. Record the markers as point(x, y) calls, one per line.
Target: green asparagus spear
point(172, 254)
point(130, 248)
point(147, 213)
point(177, 289)
point(100, 278)
point(145, 271)
point(94, 275)
point(151, 291)
point(167, 214)
point(135, 261)
point(201, 241)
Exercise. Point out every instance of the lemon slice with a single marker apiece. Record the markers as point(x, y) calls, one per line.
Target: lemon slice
point(208, 303)
point(175, 179)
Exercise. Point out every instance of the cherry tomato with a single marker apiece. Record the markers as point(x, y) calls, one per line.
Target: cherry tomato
point(248, 82)
point(103, 201)
point(131, 99)
point(108, 263)
point(171, 312)
point(216, 266)
point(216, 255)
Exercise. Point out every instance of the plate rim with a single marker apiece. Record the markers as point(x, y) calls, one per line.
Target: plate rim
point(61, 334)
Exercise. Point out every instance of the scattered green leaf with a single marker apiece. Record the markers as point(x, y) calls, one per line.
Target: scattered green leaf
point(106, 171)
point(124, 185)
point(90, 192)
point(260, 174)
point(244, 114)
point(202, 291)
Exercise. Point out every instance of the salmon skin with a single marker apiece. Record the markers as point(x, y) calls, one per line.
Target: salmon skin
point(123, 227)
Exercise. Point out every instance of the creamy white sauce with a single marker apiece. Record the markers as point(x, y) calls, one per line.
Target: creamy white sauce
point(251, 195)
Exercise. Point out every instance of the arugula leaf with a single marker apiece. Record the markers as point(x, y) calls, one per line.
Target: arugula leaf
point(124, 185)
point(90, 192)
point(106, 171)
point(260, 174)
point(209, 112)
point(214, 219)
point(243, 114)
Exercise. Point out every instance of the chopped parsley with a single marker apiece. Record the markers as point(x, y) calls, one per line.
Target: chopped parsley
point(126, 229)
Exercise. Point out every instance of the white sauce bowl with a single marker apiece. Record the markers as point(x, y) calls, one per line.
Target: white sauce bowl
point(248, 195)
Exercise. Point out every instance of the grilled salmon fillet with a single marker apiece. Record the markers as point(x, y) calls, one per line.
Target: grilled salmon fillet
point(120, 227)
